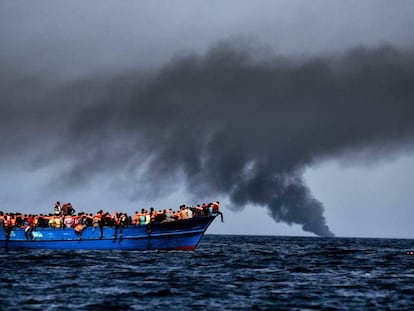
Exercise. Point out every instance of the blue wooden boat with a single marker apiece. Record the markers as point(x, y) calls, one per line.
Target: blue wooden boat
point(176, 235)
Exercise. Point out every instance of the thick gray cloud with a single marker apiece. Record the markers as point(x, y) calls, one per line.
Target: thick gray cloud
point(237, 120)
point(232, 125)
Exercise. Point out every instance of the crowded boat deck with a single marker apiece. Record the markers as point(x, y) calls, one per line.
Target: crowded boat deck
point(163, 229)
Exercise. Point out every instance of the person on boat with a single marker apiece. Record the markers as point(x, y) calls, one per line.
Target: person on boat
point(13, 220)
point(115, 217)
point(67, 209)
point(26, 220)
point(31, 220)
point(107, 219)
point(169, 215)
point(183, 212)
point(9, 223)
point(83, 220)
point(78, 230)
point(147, 218)
point(129, 219)
point(216, 209)
point(76, 219)
point(1, 219)
point(19, 220)
point(98, 221)
point(135, 221)
point(177, 215)
point(189, 212)
point(43, 221)
point(58, 221)
point(51, 222)
point(28, 231)
point(58, 209)
point(80, 224)
point(115, 220)
point(206, 211)
point(123, 223)
point(6, 220)
point(153, 214)
point(120, 222)
point(35, 220)
point(198, 211)
point(160, 216)
point(68, 221)
point(89, 220)
point(46, 219)
point(141, 217)
point(55, 221)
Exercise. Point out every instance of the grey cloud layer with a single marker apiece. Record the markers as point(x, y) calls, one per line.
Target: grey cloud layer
point(231, 124)
point(237, 122)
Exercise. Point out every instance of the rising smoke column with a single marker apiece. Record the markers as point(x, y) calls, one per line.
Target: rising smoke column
point(237, 126)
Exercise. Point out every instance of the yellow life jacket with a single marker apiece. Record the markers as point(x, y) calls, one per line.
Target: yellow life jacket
point(51, 223)
point(58, 222)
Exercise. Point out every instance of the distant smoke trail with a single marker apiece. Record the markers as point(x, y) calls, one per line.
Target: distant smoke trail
point(234, 125)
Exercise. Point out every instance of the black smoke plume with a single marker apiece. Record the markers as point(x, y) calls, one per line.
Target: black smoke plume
point(232, 124)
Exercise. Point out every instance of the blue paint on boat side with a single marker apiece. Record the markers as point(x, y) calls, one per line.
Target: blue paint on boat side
point(181, 234)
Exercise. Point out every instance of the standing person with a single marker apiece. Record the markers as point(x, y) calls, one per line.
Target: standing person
point(58, 209)
point(28, 231)
point(123, 223)
point(152, 214)
point(9, 223)
point(98, 221)
point(67, 209)
point(115, 219)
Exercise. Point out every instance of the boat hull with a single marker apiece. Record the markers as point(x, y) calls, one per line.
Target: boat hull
point(177, 235)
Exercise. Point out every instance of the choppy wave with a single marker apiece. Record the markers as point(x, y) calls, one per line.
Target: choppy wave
point(225, 272)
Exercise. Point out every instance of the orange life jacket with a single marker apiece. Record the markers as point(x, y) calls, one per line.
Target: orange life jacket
point(154, 214)
point(78, 228)
point(136, 218)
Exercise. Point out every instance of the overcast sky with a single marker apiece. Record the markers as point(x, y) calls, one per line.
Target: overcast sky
point(297, 115)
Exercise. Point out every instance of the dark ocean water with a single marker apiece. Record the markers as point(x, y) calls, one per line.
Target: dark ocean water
point(224, 273)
